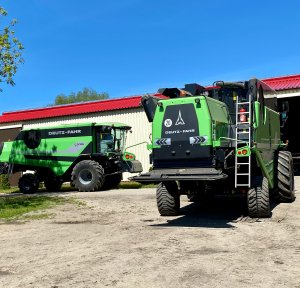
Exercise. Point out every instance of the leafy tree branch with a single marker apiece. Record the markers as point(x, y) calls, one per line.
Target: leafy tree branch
point(10, 51)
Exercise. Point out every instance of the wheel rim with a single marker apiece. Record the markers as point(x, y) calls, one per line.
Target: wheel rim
point(85, 177)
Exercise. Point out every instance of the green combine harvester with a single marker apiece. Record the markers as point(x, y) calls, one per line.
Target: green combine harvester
point(91, 156)
point(219, 140)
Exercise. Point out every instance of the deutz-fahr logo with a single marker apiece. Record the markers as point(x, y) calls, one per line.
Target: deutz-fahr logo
point(64, 132)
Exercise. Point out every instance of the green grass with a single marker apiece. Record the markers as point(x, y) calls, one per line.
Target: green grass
point(134, 185)
point(67, 188)
point(13, 207)
point(10, 190)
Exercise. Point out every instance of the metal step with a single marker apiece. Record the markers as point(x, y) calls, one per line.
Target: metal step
point(243, 123)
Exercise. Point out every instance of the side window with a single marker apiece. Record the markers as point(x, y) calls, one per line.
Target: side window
point(261, 101)
point(32, 138)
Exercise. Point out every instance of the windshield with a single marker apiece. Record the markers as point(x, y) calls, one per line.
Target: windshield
point(112, 141)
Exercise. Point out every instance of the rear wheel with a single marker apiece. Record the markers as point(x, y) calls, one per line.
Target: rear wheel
point(258, 199)
point(87, 175)
point(285, 177)
point(168, 198)
point(112, 181)
point(28, 183)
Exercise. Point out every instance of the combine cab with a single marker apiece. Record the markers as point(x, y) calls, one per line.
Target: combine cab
point(223, 139)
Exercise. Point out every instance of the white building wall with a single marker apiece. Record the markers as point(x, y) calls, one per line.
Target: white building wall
point(136, 118)
point(288, 93)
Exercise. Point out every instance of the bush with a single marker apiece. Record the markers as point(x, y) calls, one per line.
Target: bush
point(4, 182)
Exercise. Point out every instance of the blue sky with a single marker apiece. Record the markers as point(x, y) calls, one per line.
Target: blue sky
point(132, 47)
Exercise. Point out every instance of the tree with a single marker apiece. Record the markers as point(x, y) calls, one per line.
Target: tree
point(86, 94)
point(10, 51)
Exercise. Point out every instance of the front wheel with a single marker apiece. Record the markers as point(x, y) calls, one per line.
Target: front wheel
point(168, 198)
point(29, 183)
point(258, 199)
point(87, 175)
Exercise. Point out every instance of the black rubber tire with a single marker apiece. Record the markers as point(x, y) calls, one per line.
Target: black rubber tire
point(258, 199)
point(168, 198)
point(28, 183)
point(285, 177)
point(112, 181)
point(87, 176)
point(53, 183)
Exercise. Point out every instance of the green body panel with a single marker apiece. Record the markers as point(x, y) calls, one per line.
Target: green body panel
point(17, 152)
point(266, 140)
point(213, 119)
point(220, 120)
point(6, 152)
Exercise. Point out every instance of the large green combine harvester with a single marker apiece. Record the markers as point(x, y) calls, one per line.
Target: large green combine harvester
point(219, 140)
point(90, 156)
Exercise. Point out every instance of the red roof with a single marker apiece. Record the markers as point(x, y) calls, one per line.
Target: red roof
point(277, 83)
point(78, 108)
point(283, 83)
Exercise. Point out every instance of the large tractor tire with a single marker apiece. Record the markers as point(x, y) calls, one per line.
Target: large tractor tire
point(258, 199)
point(112, 181)
point(285, 177)
point(29, 183)
point(87, 175)
point(168, 198)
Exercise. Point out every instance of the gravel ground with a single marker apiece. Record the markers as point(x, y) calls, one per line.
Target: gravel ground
point(119, 240)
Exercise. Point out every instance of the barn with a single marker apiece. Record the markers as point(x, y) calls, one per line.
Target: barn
point(127, 110)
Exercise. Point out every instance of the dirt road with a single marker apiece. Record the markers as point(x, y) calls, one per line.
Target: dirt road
point(119, 240)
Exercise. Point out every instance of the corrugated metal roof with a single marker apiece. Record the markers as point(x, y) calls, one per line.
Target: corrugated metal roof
point(276, 83)
point(78, 108)
point(283, 83)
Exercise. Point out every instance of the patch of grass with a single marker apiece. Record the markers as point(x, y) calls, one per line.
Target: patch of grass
point(10, 190)
point(151, 185)
point(65, 188)
point(13, 207)
point(134, 185)
point(4, 181)
point(75, 201)
point(37, 216)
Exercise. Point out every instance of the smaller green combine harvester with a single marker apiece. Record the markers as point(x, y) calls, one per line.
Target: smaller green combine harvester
point(219, 140)
point(91, 156)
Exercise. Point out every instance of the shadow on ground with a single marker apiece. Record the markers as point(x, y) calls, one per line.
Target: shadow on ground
point(221, 212)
